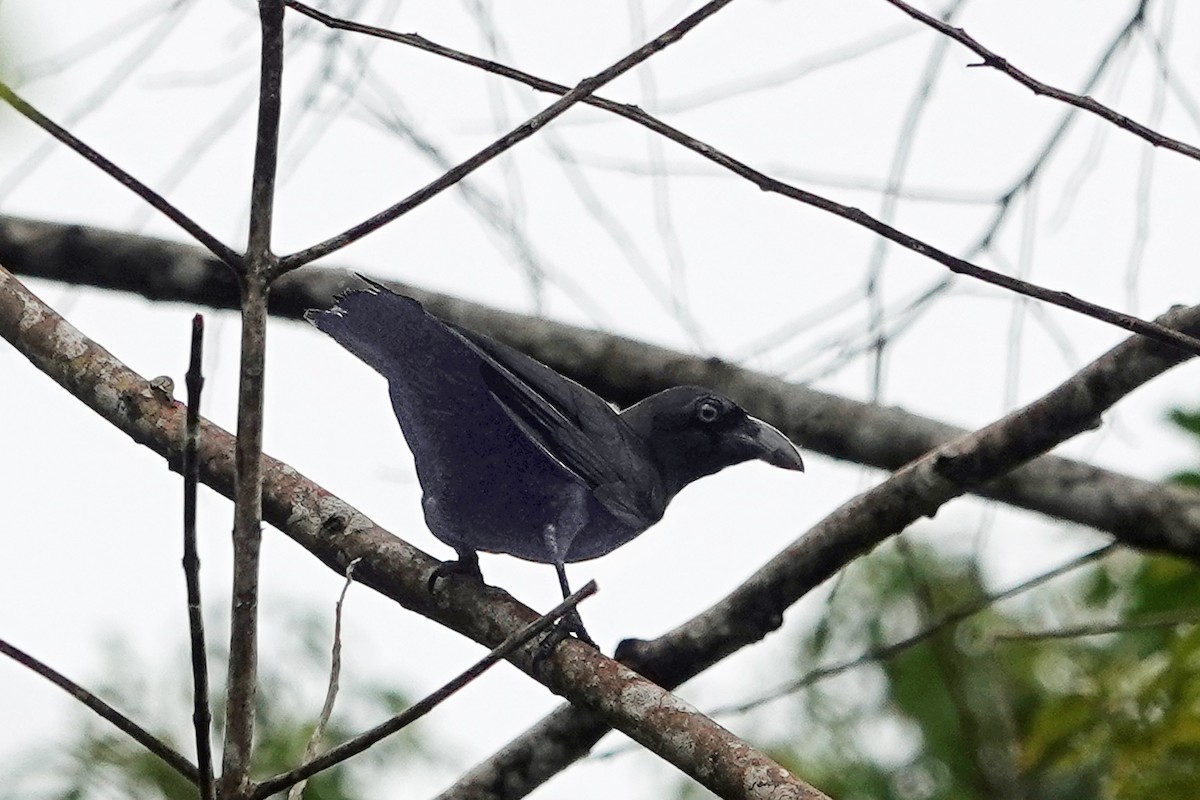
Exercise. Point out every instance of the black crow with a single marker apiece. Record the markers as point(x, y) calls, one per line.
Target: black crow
point(515, 458)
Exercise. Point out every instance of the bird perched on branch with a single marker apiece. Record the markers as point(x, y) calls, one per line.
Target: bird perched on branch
point(515, 458)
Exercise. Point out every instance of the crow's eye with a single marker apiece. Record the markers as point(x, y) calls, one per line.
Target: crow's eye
point(707, 411)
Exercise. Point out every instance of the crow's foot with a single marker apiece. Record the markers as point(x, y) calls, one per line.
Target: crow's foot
point(569, 624)
point(464, 567)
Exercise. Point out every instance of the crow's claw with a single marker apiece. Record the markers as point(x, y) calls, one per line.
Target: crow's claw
point(465, 567)
point(569, 624)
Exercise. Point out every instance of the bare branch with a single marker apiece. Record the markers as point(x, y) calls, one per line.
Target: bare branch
point(1139, 513)
point(517, 135)
point(266, 146)
point(201, 713)
point(337, 534)
point(260, 266)
point(1165, 619)
point(220, 250)
point(136, 732)
point(764, 182)
point(422, 707)
point(994, 61)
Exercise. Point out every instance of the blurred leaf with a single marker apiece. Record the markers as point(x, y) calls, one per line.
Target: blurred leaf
point(1187, 420)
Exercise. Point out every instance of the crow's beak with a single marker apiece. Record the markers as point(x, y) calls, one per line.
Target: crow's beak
point(771, 446)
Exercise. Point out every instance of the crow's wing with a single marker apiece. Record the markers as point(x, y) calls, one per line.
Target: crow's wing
point(576, 428)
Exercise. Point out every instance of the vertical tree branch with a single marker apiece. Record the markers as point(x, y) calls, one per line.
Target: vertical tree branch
point(247, 524)
point(201, 713)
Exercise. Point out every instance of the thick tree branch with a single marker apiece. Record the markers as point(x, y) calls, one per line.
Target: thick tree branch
point(338, 534)
point(1139, 513)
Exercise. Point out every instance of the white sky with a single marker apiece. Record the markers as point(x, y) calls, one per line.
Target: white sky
point(90, 546)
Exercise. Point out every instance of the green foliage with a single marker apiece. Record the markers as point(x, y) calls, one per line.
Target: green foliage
point(1188, 421)
point(1112, 716)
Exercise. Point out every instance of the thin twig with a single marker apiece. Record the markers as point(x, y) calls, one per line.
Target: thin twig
point(994, 61)
point(1058, 135)
point(888, 651)
point(136, 732)
point(517, 135)
point(331, 691)
point(1166, 619)
point(764, 182)
point(422, 707)
point(260, 265)
point(214, 245)
point(201, 712)
point(918, 104)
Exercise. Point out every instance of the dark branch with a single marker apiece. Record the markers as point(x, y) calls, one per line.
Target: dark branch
point(260, 266)
point(201, 713)
point(996, 62)
point(215, 246)
point(136, 732)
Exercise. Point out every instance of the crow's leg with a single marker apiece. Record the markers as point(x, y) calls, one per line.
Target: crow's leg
point(571, 622)
point(467, 566)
